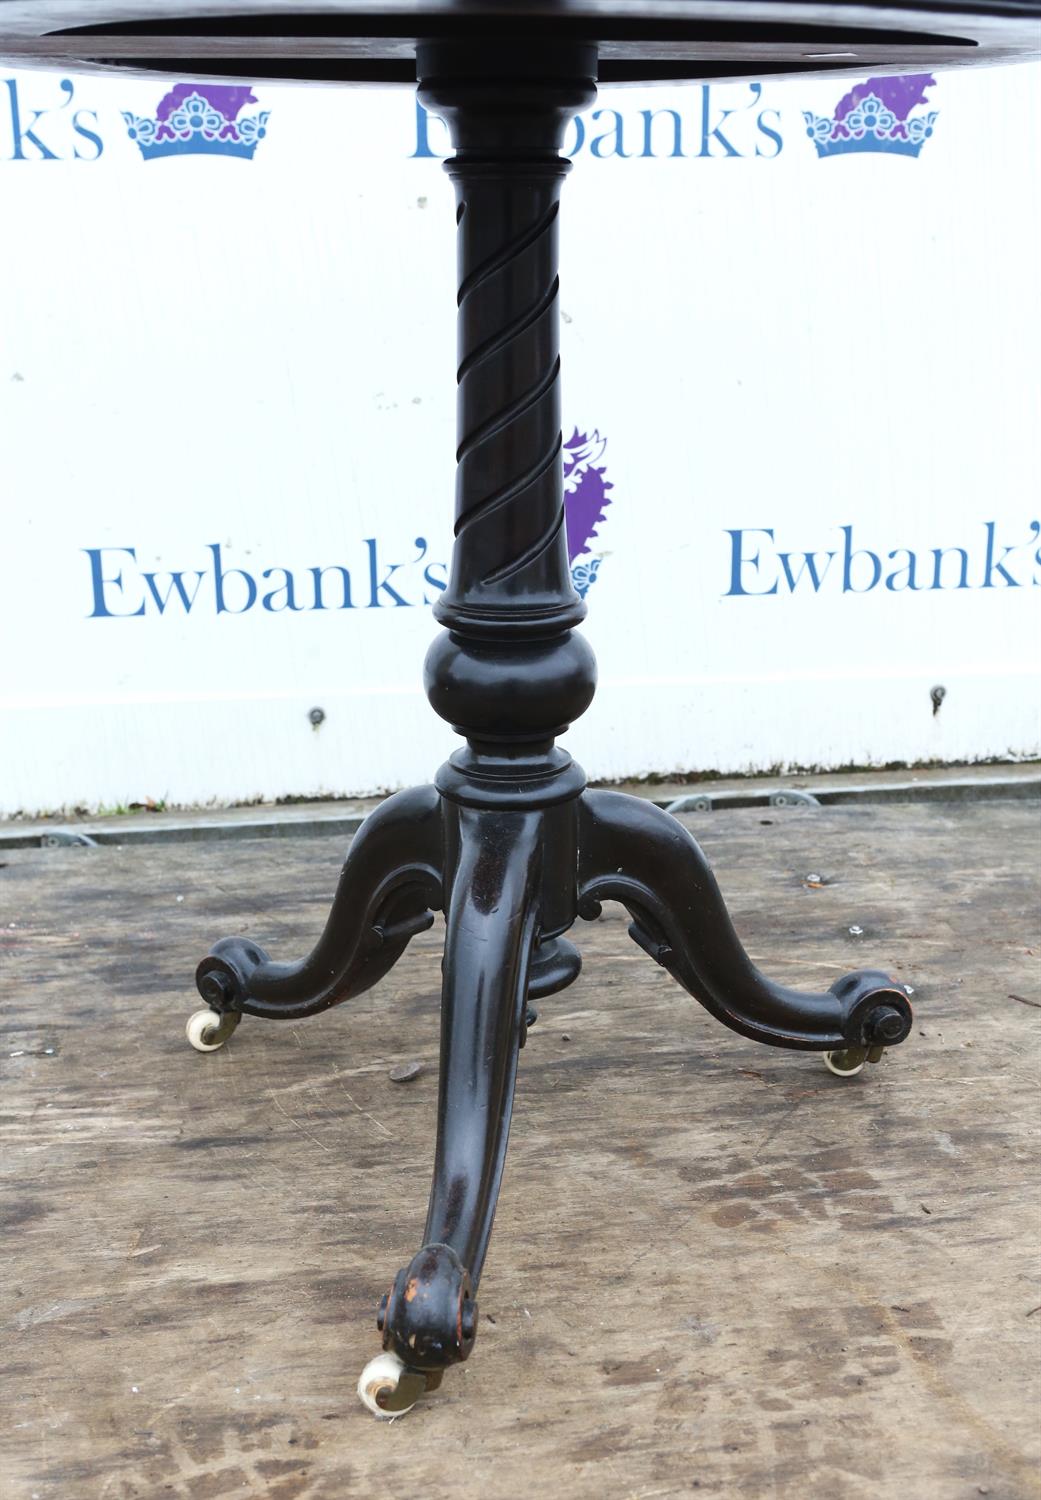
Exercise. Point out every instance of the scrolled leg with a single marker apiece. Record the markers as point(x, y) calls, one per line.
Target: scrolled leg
point(389, 888)
point(630, 851)
point(429, 1318)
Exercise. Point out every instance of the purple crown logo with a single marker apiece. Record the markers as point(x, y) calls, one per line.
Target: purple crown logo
point(876, 116)
point(199, 119)
point(585, 500)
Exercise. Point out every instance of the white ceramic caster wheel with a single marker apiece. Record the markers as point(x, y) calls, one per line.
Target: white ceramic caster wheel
point(207, 1030)
point(389, 1388)
point(846, 1064)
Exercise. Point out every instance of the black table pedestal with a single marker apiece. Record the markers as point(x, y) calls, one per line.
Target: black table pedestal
point(508, 842)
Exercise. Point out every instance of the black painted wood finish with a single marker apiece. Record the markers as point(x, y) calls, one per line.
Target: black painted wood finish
point(638, 40)
point(508, 842)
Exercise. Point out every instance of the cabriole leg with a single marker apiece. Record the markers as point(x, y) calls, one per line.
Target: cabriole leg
point(632, 852)
point(429, 1318)
point(389, 888)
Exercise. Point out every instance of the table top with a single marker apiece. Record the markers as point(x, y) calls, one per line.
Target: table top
point(639, 40)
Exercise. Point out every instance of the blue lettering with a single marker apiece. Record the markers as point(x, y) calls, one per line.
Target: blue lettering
point(990, 565)
point(716, 133)
point(439, 583)
point(318, 574)
point(376, 586)
point(672, 135)
point(808, 565)
point(772, 135)
point(863, 569)
point(423, 147)
point(939, 553)
point(20, 134)
point(88, 135)
point(848, 555)
point(219, 575)
point(580, 136)
point(649, 117)
point(739, 561)
point(907, 573)
point(176, 584)
point(615, 135)
point(286, 589)
point(98, 581)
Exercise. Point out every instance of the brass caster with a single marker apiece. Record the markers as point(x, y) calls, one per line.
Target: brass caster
point(390, 1388)
point(847, 1063)
point(850, 1061)
point(208, 1029)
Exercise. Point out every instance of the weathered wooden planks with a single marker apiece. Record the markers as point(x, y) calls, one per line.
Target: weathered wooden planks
point(715, 1270)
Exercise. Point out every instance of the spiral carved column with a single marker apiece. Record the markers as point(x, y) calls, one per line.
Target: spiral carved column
point(509, 670)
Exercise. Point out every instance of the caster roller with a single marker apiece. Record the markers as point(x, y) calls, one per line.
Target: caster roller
point(390, 1388)
point(846, 1064)
point(207, 1029)
point(850, 1060)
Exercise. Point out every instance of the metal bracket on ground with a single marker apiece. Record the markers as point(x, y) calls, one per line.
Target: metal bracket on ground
point(709, 801)
point(56, 838)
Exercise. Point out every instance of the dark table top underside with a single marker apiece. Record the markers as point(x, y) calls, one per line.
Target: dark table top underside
point(638, 40)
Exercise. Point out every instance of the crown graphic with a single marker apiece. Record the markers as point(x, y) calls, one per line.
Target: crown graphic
point(876, 116)
point(585, 500)
point(196, 119)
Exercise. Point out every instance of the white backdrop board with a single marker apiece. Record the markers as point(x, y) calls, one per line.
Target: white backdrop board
point(801, 393)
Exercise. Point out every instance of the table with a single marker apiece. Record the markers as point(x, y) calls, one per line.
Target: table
point(508, 841)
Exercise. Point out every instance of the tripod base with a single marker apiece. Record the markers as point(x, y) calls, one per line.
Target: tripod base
point(511, 880)
point(509, 843)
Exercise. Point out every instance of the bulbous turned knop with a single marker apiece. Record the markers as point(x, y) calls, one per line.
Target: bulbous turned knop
point(517, 690)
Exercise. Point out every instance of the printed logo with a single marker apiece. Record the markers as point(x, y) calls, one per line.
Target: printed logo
point(200, 119)
point(759, 568)
point(701, 128)
point(122, 589)
point(876, 116)
point(46, 134)
point(585, 500)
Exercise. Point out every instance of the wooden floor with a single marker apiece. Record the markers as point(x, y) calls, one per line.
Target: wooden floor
point(716, 1269)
